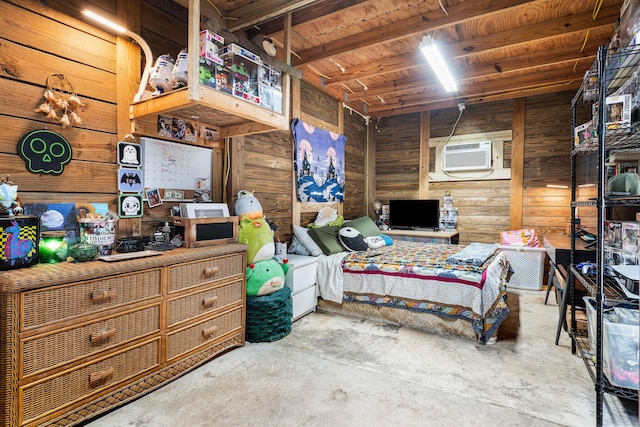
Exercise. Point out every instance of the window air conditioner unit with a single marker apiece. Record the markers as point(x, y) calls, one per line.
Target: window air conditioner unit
point(467, 157)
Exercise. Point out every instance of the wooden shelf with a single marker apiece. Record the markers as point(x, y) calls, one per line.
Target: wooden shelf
point(231, 115)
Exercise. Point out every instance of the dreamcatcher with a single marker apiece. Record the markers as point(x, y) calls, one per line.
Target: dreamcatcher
point(60, 97)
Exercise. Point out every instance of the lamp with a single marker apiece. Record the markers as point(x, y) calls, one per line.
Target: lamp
point(430, 51)
point(143, 45)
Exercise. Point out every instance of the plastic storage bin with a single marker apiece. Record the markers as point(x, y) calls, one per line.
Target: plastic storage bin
point(528, 266)
point(619, 345)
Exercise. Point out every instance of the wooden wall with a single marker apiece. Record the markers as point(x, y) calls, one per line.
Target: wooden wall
point(484, 206)
point(35, 42)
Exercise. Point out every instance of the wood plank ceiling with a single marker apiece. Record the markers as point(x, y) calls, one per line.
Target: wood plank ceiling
point(366, 52)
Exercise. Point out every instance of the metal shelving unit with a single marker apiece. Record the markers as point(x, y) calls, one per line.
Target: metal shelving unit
point(609, 72)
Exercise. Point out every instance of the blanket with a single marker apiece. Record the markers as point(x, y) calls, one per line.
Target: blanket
point(474, 254)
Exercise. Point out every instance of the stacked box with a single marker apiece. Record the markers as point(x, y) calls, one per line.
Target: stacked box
point(245, 68)
point(209, 59)
point(271, 88)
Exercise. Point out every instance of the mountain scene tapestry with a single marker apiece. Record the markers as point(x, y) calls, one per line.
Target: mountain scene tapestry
point(319, 163)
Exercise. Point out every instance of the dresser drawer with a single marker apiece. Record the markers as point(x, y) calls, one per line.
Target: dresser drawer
point(304, 302)
point(206, 301)
point(44, 352)
point(301, 278)
point(57, 303)
point(52, 393)
point(196, 273)
point(201, 333)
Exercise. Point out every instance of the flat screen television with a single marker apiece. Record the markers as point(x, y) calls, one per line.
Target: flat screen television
point(423, 214)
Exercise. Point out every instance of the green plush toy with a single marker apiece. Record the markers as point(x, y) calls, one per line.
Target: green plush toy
point(265, 277)
point(257, 234)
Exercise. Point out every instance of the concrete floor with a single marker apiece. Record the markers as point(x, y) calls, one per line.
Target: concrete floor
point(338, 371)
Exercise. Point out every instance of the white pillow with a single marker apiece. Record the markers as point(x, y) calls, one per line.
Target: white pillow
point(302, 234)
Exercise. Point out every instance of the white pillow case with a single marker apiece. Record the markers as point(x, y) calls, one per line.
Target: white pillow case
point(302, 234)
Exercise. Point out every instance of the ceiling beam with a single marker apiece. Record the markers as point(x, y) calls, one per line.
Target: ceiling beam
point(263, 10)
point(520, 83)
point(420, 24)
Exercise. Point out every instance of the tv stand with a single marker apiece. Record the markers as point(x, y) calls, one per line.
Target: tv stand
point(445, 236)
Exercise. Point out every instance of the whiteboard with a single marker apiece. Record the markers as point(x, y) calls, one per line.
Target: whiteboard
point(174, 165)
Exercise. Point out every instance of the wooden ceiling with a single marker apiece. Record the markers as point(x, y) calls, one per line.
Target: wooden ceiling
point(366, 52)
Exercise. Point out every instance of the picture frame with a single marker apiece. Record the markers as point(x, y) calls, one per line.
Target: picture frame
point(153, 197)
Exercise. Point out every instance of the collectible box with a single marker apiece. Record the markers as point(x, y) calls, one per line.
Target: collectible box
point(271, 88)
point(19, 239)
point(630, 236)
point(245, 69)
point(582, 135)
point(618, 112)
point(210, 46)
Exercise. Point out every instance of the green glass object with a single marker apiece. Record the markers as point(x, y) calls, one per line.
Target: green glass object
point(53, 248)
point(83, 251)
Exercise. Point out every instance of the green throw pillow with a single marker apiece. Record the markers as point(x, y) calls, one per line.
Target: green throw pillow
point(365, 225)
point(327, 239)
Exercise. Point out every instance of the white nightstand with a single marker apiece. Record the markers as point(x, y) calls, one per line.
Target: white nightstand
point(301, 279)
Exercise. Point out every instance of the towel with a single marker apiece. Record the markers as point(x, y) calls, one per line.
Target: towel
point(474, 254)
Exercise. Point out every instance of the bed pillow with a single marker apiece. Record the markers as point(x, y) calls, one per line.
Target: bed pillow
point(297, 248)
point(365, 225)
point(302, 234)
point(352, 239)
point(327, 239)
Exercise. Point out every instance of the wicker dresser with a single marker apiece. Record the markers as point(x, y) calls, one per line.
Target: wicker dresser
point(77, 339)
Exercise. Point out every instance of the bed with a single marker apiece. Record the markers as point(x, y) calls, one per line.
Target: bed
point(420, 285)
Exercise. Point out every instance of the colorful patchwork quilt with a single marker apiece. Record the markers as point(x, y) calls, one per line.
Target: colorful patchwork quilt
point(416, 276)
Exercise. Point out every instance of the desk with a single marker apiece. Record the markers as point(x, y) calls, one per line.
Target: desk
point(451, 237)
point(558, 246)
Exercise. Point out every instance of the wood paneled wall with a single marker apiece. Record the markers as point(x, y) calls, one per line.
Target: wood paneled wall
point(38, 41)
point(484, 206)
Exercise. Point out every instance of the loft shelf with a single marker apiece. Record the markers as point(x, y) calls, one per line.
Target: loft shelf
point(228, 114)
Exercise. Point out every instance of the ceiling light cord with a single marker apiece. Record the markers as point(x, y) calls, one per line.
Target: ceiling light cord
point(445, 10)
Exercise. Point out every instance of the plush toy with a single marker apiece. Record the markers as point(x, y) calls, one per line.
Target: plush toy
point(352, 239)
point(247, 204)
point(257, 234)
point(265, 277)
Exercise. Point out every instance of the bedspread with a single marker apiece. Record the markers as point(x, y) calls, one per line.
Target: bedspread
point(416, 276)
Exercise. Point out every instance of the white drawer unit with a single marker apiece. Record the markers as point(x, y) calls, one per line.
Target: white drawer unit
point(302, 279)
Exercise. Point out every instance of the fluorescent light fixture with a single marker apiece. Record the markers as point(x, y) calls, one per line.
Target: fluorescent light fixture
point(430, 51)
point(143, 45)
point(557, 186)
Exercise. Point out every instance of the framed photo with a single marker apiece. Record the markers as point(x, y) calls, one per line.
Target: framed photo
point(130, 180)
point(129, 154)
point(130, 206)
point(153, 197)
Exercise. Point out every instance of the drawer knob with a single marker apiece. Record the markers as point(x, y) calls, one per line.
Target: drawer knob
point(101, 375)
point(208, 302)
point(209, 331)
point(102, 336)
point(103, 294)
point(210, 271)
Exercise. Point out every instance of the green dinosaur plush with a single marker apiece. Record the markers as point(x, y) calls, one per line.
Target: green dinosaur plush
point(257, 234)
point(265, 277)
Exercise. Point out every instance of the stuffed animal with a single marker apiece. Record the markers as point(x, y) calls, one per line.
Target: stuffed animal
point(257, 234)
point(265, 277)
point(247, 204)
point(352, 239)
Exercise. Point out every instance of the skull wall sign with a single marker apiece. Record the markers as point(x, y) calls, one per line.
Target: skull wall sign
point(44, 151)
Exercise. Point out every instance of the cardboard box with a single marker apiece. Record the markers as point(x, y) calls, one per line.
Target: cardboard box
point(210, 46)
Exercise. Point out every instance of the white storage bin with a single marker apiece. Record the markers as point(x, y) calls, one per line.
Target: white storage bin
point(528, 266)
point(619, 346)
